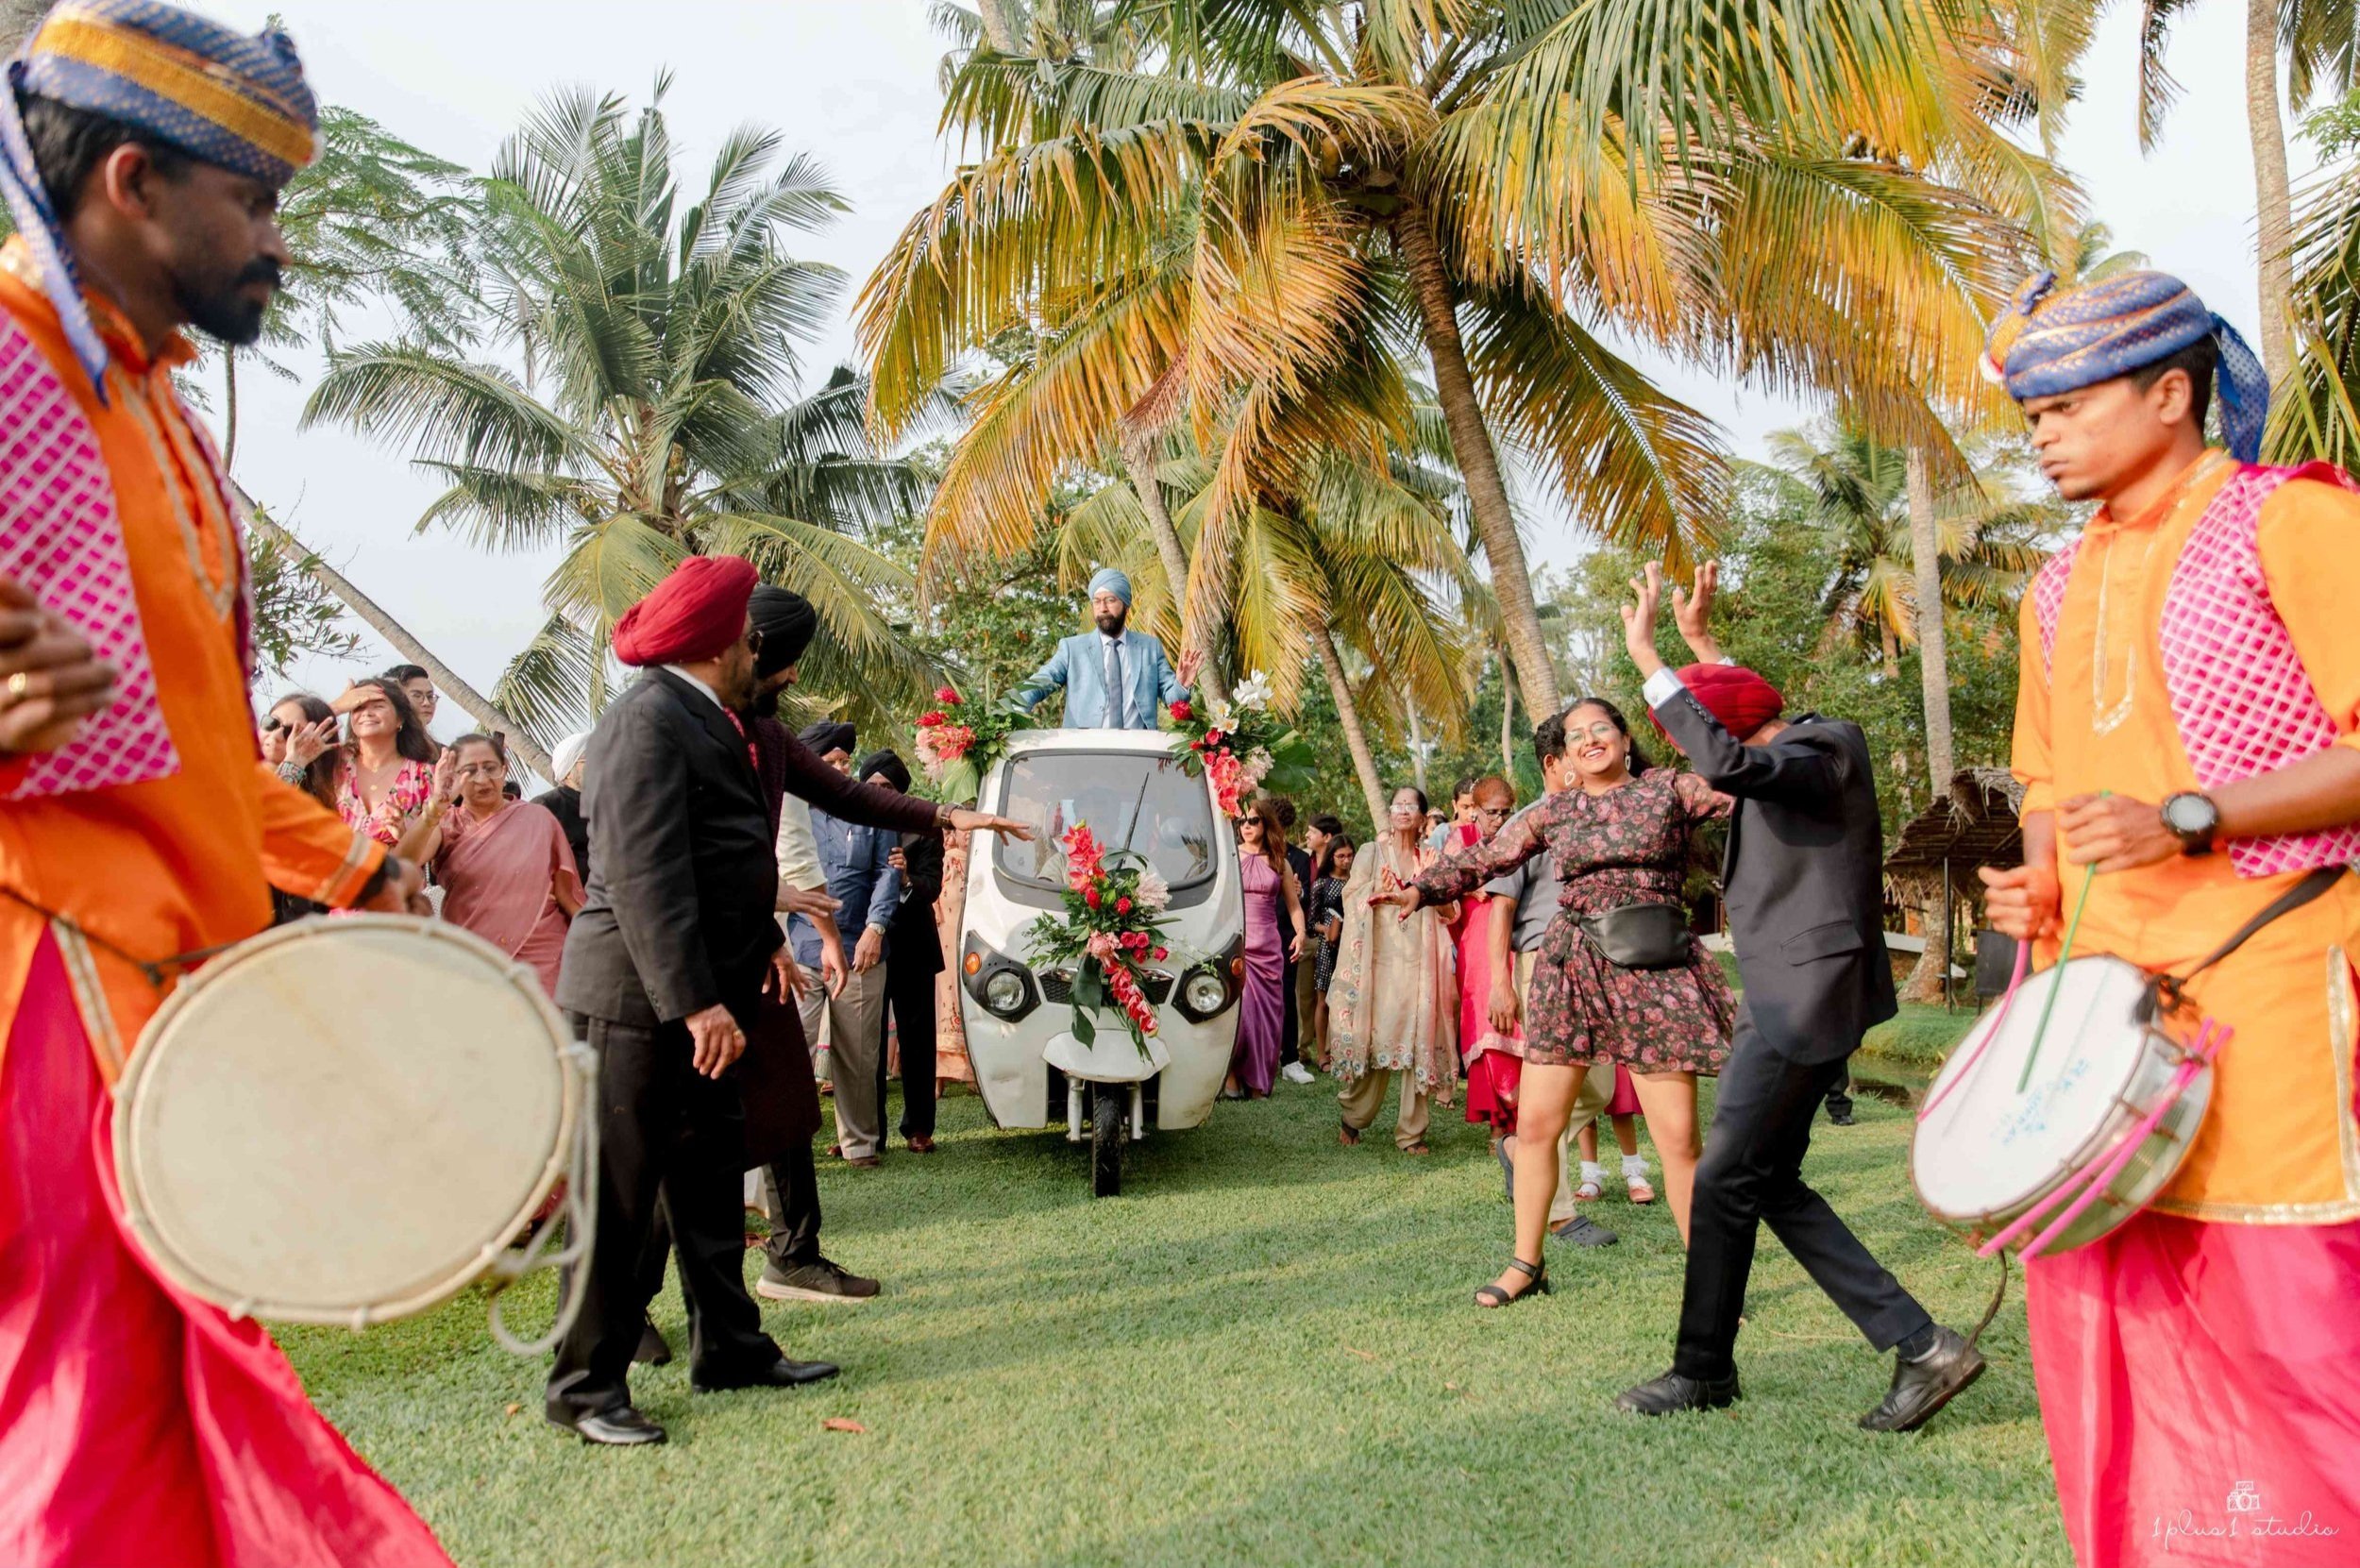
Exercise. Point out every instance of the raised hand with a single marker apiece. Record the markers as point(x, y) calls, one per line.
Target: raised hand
point(1692, 611)
point(1639, 621)
point(1191, 664)
point(306, 742)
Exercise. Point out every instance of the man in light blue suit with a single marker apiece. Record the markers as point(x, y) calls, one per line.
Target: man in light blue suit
point(1113, 677)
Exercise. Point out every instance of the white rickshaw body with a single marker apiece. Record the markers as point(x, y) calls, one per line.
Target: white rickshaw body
point(1030, 1069)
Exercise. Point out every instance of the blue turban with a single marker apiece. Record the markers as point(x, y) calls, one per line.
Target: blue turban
point(2047, 342)
point(1108, 581)
point(221, 96)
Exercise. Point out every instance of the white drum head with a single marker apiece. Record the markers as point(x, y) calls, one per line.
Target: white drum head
point(1987, 1148)
point(344, 1121)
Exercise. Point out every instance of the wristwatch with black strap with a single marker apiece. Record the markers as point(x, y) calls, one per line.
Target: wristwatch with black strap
point(2193, 819)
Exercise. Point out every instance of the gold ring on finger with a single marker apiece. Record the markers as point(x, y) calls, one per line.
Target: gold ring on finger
point(18, 683)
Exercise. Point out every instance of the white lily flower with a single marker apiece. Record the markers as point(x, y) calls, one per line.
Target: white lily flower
point(1254, 691)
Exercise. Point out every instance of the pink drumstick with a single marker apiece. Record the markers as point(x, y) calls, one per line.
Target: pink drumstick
point(1999, 1018)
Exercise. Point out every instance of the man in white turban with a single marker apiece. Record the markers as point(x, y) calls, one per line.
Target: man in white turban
point(1113, 677)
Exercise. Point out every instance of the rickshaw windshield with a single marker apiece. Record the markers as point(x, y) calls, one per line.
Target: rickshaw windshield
point(1145, 803)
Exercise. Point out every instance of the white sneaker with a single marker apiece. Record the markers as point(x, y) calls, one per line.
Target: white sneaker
point(1295, 1073)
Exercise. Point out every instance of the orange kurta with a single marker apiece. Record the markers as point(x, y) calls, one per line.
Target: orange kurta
point(2281, 1144)
point(184, 862)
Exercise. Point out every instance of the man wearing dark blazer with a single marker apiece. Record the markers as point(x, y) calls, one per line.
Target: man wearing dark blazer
point(675, 943)
point(1802, 883)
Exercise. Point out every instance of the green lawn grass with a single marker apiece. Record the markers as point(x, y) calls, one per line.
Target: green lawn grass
point(1263, 1353)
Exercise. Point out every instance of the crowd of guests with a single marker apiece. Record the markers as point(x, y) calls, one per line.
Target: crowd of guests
point(514, 872)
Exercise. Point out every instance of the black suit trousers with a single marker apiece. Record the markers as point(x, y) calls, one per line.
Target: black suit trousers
point(669, 1141)
point(1752, 1175)
point(910, 1004)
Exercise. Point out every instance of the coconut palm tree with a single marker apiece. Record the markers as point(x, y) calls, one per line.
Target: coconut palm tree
point(654, 415)
point(1857, 489)
point(1256, 223)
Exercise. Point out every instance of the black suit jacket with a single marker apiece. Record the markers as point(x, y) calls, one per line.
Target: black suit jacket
point(683, 881)
point(1803, 877)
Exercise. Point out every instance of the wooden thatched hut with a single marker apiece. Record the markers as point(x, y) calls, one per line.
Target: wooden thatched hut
point(1936, 856)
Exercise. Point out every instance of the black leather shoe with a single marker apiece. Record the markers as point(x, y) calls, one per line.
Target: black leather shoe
point(1921, 1387)
point(1582, 1231)
point(1661, 1396)
point(781, 1373)
point(621, 1428)
point(1841, 1118)
point(654, 1350)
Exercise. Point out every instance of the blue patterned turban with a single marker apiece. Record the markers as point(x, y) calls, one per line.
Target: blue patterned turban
point(1108, 581)
point(2047, 342)
point(221, 96)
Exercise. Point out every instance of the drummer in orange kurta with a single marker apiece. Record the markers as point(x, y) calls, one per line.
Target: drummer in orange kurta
point(2280, 1143)
point(142, 150)
point(175, 864)
point(2188, 737)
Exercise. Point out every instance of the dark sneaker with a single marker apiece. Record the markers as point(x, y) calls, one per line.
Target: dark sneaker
point(818, 1280)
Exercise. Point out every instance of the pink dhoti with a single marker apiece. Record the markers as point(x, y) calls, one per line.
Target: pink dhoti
point(139, 1425)
point(2202, 1393)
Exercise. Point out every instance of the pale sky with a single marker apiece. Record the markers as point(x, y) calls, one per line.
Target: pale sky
point(854, 82)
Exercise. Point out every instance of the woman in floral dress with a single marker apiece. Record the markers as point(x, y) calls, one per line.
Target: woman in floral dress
point(1622, 835)
point(389, 765)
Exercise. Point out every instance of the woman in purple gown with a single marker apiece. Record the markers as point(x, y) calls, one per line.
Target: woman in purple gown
point(1262, 1009)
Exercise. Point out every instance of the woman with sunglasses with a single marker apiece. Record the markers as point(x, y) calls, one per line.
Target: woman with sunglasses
point(300, 741)
point(1617, 977)
point(504, 866)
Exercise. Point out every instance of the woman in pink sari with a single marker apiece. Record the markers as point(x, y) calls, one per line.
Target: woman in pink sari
point(506, 869)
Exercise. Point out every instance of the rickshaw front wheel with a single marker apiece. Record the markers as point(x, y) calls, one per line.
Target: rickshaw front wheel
point(1110, 1129)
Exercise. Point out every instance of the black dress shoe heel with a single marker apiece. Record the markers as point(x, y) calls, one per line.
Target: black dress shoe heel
point(1663, 1396)
point(1536, 1274)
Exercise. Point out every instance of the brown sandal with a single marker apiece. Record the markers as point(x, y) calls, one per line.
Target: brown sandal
point(1350, 1135)
point(1418, 1148)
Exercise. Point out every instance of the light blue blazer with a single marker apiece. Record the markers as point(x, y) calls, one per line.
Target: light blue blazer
point(1079, 666)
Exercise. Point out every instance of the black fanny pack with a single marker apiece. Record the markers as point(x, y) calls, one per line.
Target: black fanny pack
point(1640, 935)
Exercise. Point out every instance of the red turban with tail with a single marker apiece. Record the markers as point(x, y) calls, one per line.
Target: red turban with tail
point(694, 613)
point(1741, 701)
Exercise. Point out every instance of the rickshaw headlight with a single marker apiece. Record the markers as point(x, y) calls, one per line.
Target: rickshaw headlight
point(1203, 993)
point(1004, 992)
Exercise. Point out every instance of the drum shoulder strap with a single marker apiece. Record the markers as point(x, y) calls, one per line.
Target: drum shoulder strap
point(2313, 886)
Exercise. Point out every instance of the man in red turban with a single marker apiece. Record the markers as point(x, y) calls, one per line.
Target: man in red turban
point(1741, 701)
point(692, 616)
point(1805, 889)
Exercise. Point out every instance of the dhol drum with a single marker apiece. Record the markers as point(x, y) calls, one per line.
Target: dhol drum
point(348, 1120)
point(2065, 1110)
